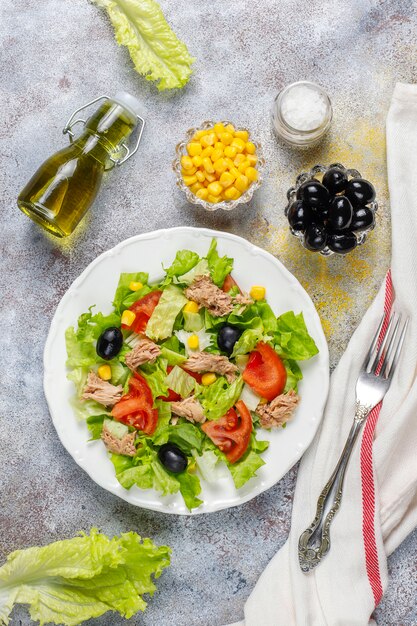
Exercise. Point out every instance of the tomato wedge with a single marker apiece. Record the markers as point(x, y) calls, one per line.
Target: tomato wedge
point(143, 310)
point(135, 408)
point(231, 433)
point(230, 282)
point(265, 372)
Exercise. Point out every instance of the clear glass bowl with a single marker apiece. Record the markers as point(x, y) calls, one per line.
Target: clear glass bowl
point(316, 173)
point(226, 205)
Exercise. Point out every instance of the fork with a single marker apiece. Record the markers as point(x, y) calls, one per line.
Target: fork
point(373, 382)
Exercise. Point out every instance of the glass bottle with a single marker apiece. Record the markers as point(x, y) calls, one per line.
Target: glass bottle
point(65, 185)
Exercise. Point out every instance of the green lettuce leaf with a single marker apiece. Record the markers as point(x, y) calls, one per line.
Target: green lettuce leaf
point(245, 468)
point(220, 396)
point(155, 375)
point(95, 425)
point(294, 374)
point(185, 435)
point(208, 465)
point(154, 48)
point(193, 322)
point(184, 261)
point(201, 269)
point(190, 488)
point(173, 351)
point(161, 322)
point(182, 383)
point(219, 267)
point(248, 340)
point(124, 296)
point(84, 409)
point(292, 339)
point(70, 581)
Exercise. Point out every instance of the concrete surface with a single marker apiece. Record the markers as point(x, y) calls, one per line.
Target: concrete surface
point(56, 56)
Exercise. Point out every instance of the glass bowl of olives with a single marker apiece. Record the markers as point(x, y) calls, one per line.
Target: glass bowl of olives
point(331, 209)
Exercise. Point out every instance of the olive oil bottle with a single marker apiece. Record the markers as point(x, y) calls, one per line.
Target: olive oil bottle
point(65, 185)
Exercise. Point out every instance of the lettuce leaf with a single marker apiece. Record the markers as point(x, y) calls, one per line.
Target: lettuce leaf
point(154, 48)
point(70, 581)
point(184, 261)
point(95, 425)
point(179, 381)
point(220, 396)
point(155, 375)
point(294, 374)
point(248, 340)
point(292, 339)
point(161, 322)
point(220, 267)
point(190, 488)
point(124, 296)
point(201, 269)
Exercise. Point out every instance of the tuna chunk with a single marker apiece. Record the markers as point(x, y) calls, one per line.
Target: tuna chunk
point(101, 391)
point(190, 408)
point(145, 351)
point(125, 446)
point(279, 411)
point(205, 362)
point(207, 294)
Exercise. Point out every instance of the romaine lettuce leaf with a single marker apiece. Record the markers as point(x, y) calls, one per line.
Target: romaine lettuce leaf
point(245, 468)
point(201, 269)
point(248, 340)
point(95, 425)
point(294, 374)
point(220, 267)
point(184, 261)
point(208, 464)
point(172, 351)
point(124, 296)
point(190, 488)
point(154, 48)
point(292, 339)
point(185, 435)
point(155, 375)
point(162, 320)
point(179, 381)
point(220, 396)
point(70, 581)
point(193, 322)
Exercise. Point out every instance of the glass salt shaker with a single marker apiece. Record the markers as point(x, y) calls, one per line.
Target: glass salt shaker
point(302, 114)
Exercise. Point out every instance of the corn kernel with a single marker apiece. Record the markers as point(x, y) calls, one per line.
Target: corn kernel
point(230, 128)
point(226, 138)
point(135, 286)
point(242, 134)
point(215, 188)
point(197, 160)
point(208, 140)
point(229, 162)
point(226, 179)
point(206, 182)
point(208, 165)
point(218, 129)
point(208, 379)
point(191, 307)
point(219, 146)
point(230, 151)
point(200, 176)
point(251, 173)
point(186, 162)
point(210, 178)
point(216, 154)
point(213, 199)
point(104, 372)
point(189, 172)
point(196, 187)
point(189, 180)
point(198, 134)
point(252, 158)
point(194, 148)
point(231, 193)
point(239, 158)
point(241, 183)
point(193, 342)
point(257, 292)
point(128, 317)
point(220, 165)
point(239, 144)
point(235, 172)
point(207, 152)
point(250, 147)
point(243, 166)
point(263, 401)
point(202, 193)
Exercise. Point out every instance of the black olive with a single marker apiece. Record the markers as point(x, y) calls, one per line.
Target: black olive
point(109, 343)
point(315, 238)
point(321, 214)
point(313, 193)
point(335, 180)
point(360, 191)
point(299, 215)
point(363, 218)
point(342, 242)
point(227, 337)
point(340, 214)
point(172, 458)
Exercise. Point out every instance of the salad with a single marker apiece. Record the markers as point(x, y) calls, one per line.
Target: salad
point(180, 379)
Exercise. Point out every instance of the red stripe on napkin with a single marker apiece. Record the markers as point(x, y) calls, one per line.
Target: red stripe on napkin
point(367, 474)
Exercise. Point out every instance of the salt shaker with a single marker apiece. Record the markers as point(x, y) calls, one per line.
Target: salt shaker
point(302, 114)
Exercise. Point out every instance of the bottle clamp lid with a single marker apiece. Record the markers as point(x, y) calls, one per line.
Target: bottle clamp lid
point(129, 103)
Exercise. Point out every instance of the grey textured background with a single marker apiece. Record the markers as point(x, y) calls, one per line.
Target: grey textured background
point(58, 55)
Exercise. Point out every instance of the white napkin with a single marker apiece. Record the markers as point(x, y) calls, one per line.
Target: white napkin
point(379, 506)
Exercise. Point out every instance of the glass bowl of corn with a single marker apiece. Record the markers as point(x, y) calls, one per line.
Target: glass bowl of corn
point(218, 166)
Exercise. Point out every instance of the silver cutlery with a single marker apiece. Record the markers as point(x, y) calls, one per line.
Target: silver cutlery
point(373, 382)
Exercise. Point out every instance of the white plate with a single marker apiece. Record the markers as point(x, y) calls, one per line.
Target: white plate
point(146, 252)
